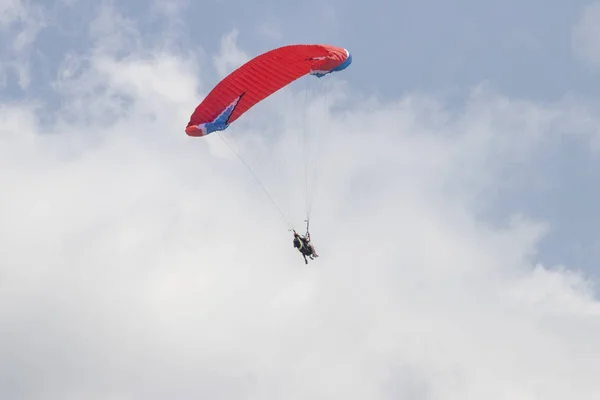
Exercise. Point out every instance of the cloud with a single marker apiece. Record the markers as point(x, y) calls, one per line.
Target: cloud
point(20, 24)
point(586, 33)
point(230, 57)
point(113, 32)
point(138, 263)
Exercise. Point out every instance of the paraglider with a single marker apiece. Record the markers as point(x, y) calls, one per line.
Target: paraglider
point(305, 247)
point(258, 79)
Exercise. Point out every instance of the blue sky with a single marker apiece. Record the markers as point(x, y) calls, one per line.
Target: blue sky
point(523, 48)
point(518, 48)
point(456, 210)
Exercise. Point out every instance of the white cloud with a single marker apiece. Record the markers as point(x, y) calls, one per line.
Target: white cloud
point(113, 32)
point(586, 34)
point(20, 24)
point(230, 57)
point(9, 11)
point(135, 263)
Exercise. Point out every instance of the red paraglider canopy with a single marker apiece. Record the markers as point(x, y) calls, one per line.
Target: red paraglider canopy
point(261, 77)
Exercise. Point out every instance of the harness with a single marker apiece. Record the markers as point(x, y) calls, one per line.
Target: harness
point(303, 245)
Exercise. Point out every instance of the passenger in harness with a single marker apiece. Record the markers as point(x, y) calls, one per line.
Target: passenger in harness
point(302, 243)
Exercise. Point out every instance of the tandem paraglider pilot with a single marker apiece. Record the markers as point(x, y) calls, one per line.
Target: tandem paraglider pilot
point(302, 243)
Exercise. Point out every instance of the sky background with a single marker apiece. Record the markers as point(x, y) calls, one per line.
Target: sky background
point(455, 212)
